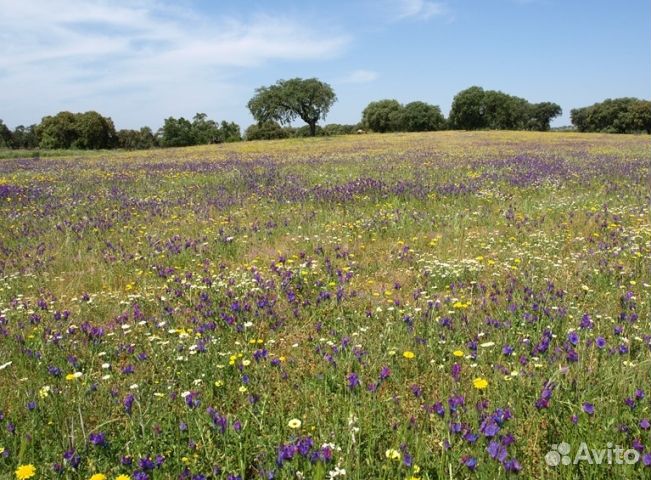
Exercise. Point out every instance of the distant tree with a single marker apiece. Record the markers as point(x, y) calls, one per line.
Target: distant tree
point(338, 129)
point(468, 110)
point(136, 139)
point(146, 139)
point(6, 137)
point(475, 108)
point(205, 131)
point(176, 133)
point(618, 115)
point(310, 100)
point(638, 117)
point(127, 139)
point(201, 131)
point(305, 131)
point(504, 112)
point(88, 130)
point(58, 131)
point(383, 116)
point(230, 131)
point(541, 114)
point(25, 137)
point(265, 131)
point(93, 131)
point(421, 117)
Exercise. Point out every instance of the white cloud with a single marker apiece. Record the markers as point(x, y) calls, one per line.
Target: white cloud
point(76, 54)
point(418, 9)
point(360, 76)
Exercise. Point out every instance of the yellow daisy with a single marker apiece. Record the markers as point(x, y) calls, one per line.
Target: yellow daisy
point(25, 471)
point(409, 355)
point(480, 383)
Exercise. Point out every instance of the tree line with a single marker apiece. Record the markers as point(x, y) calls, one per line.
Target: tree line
point(277, 106)
point(618, 115)
point(92, 131)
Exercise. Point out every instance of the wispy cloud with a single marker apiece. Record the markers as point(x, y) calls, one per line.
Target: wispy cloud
point(419, 9)
point(360, 76)
point(88, 53)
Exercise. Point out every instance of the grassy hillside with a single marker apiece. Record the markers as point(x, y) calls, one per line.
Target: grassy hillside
point(396, 306)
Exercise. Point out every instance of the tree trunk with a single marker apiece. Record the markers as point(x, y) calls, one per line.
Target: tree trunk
point(312, 129)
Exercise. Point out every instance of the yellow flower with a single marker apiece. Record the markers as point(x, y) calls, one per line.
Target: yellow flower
point(408, 355)
point(295, 423)
point(98, 476)
point(480, 383)
point(123, 477)
point(25, 471)
point(243, 389)
point(458, 353)
point(392, 454)
point(73, 376)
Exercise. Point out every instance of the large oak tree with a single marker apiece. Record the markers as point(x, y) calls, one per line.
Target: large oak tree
point(309, 99)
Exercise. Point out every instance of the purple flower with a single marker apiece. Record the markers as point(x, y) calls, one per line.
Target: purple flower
point(572, 355)
point(127, 403)
point(98, 439)
point(586, 321)
point(304, 445)
point(456, 372)
point(416, 390)
point(573, 338)
point(512, 465)
point(644, 424)
point(218, 420)
point(470, 462)
point(146, 463)
point(588, 408)
point(439, 409)
point(489, 427)
point(385, 373)
point(600, 342)
point(192, 400)
point(507, 350)
point(353, 380)
point(72, 458)
point(496, 451)
point(456, 401)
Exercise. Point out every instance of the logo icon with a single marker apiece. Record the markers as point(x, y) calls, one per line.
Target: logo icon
point(558, 454)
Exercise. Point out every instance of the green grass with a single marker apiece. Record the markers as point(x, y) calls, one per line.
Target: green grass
point(279, 280)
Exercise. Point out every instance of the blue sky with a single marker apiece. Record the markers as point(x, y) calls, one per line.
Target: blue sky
point(140, 61)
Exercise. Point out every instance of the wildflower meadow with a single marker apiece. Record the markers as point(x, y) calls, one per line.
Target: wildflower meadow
point(400, 306)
